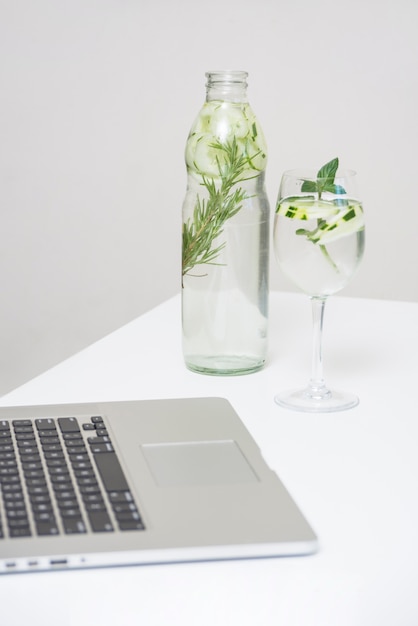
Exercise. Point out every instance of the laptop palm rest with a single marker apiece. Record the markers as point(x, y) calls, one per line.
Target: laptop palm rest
point(198, 463)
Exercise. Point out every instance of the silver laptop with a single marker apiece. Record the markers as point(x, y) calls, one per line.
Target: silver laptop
point(90, 485)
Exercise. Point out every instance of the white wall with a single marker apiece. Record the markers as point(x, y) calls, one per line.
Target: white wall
point(96, 101)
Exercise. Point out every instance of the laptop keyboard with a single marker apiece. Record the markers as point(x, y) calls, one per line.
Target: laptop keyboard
point(62, 476)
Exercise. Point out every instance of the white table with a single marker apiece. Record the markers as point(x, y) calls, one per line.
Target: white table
point(354, 474)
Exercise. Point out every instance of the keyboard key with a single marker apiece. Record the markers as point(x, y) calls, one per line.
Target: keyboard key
point(31, 465)
point(92, 497)
point(52, 447)
point(26, 443)
point(79, 449)
point(61, 469)
point(16, 524)
point(30, 458)
point(100, 521)
point(45, 516)
point(47, 528)
point(74, 525)
point(43, 498)
point(36, 482)
point(68, 503)
point(20, 532)
point(90, 489)
point(25, 436)
point(68, 424)
point(89, 481)
point(28, 451)
point(47, 441)
point(120, 496)
point(56, 462)
point(111, 472)
point(78, 452)
point(100, 448)
point(65, 495)
point(95, 506)
point(123, 507)
point(131, 525)
point(101, 432)
point(54, 455)
point(46, 434)
point(46, 423)
point(62, 487)
point(23, 429)
point(72, 436)
point(96, 440)
point(128, 516)
point(60, 478)
point(38, 490)
point(31, 473)
point(73, 512)
point(84, 473)
point(80, 461)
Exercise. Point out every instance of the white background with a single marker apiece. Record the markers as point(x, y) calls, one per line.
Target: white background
point(97, 97)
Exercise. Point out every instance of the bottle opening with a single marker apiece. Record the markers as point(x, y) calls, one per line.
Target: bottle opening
point(226, 77)
point(227, 85)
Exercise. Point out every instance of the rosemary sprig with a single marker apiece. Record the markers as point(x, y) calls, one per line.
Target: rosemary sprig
point(222, 203)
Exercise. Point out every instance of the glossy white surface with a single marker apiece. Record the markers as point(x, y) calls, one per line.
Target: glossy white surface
point(352, 473)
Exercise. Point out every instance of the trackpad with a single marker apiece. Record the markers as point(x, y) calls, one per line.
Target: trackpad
point(198, 463)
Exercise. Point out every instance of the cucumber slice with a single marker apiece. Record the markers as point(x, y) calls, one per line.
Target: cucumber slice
point(346, 223)
point(306, 208)
point(223, 122)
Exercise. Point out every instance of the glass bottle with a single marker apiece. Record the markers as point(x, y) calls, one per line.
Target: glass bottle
point(225, 249)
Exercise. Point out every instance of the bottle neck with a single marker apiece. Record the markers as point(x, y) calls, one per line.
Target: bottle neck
point(229, 86)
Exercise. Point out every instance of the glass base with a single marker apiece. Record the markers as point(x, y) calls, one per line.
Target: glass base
point(304, 400)
point(224, 365)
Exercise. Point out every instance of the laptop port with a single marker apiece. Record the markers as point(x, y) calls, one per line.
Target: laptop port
point(58, 562)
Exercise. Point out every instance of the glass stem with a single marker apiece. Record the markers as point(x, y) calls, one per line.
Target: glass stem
point(317, 389)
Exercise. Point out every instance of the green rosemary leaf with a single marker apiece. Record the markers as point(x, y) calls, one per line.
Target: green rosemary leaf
point(210, 214)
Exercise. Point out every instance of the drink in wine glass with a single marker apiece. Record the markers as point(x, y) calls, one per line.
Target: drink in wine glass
point(319, 242)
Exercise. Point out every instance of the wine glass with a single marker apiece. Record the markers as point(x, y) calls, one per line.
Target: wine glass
point(319, 242)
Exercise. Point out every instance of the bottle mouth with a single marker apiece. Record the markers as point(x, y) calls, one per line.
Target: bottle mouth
point(230, 77)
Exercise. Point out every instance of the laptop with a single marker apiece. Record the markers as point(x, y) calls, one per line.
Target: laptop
point(136, 483)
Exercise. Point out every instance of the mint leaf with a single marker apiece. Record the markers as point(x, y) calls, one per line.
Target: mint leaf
point(328, 171)
point(325, 180)
point(333, 188)
point(309, 185)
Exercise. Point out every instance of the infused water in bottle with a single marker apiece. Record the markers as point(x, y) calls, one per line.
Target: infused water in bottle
point(225, 249)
